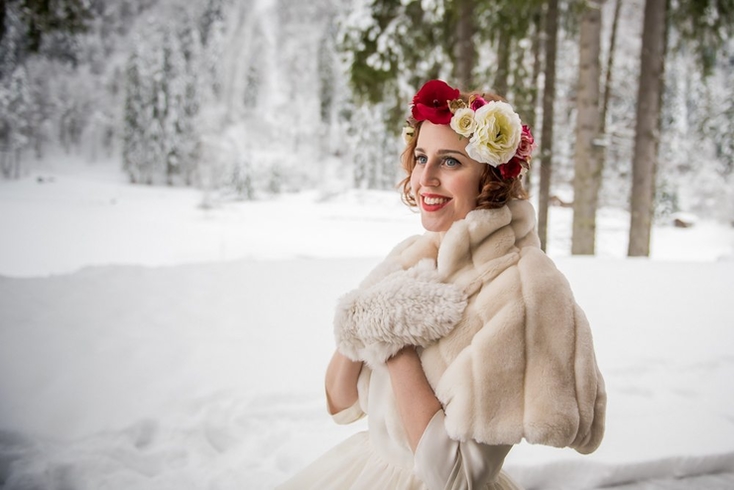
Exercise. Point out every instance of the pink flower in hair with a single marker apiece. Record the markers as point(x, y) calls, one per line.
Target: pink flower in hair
point(527, 144)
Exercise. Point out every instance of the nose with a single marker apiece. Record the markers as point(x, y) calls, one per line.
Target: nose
point(429, 175)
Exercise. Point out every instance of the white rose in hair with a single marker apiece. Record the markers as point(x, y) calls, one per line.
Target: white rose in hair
point(463, 122)
point(498, 134)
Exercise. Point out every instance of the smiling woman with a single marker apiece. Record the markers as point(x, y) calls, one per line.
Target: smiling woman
point(466, 339)
point(497, 184)
point(444, 180)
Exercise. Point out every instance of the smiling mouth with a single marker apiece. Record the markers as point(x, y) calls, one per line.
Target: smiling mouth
point(434, 203)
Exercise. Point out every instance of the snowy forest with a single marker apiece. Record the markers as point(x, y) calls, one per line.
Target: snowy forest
point(187, 188)
point(247, 99)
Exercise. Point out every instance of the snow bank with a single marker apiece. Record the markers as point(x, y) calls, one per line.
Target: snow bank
point(210, 376)
point(193, 363)
point(90, 216)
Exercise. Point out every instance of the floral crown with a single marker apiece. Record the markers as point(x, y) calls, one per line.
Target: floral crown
point(496, 135)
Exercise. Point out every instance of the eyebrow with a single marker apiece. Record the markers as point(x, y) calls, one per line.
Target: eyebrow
point(445, 152)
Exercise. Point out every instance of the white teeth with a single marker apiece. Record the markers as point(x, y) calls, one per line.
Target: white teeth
point(432, 201)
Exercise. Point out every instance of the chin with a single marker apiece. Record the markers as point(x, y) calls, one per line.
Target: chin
point(435, 225)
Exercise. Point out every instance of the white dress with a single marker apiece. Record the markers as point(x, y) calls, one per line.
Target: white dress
point(381, 458)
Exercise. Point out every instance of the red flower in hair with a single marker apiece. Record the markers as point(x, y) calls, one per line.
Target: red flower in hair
point(432, 102)
point(511, 169)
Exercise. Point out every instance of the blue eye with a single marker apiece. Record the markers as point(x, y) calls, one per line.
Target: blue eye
point(421, 159)
point(451, 162)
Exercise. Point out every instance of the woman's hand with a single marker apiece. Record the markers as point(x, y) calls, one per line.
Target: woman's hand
point(341, 382)
point(417, 403)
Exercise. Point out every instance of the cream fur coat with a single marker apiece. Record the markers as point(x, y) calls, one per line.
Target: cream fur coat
point(505, 347)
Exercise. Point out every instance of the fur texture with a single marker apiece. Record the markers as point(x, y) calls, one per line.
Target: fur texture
point(520, 361)
point(407, 307)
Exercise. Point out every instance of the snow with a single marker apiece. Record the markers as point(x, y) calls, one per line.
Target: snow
point(146, 342)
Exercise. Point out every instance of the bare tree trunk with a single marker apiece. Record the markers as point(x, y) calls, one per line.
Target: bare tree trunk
point(647, 128)
point(464, 50)
point(546, 137)
point(536, 50)
point(587, 175)
point(610, 68)
point(16, 163)
point(503, 62)
point(4, 156)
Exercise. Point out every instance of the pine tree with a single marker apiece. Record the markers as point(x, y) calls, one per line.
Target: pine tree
point(30, 27)
point(253, 75)
point(189, 146)
point(394, 46)
point(16, 128)
point(211, 29)
point(171, 113)
point(241, 181)
point(133, 149)
point(327, 75)
point(213, 14)
point(375, 149)
point(162, 106)
point(702, 25)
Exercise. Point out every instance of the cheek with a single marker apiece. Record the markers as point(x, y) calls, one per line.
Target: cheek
point(414, 179)
point(470, 192)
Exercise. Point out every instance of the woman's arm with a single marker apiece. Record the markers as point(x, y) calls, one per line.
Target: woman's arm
point(341, 382)
point(417, 403)
point(440, 461)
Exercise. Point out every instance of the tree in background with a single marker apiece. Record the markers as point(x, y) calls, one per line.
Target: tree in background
point(646, 130)
point(721, 120)
point(587, 166)
point(27, 26)
point(375, 149)
point(133, 147)
point(211, 33)
point(390, 47)
point(160, 135)
point(702, 24)
point(394, 46)
point(465, 53)
point(191, 48)
point(546, 135)
point(15, 107)
point(604, 138)
point(507, 26)
point(267, 59)
point(170, 87)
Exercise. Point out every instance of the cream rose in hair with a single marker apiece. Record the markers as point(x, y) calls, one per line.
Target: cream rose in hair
point(408, 134)
point(463, 122)
point(497, 135)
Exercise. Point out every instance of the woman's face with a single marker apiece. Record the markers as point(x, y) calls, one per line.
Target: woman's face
point(445, 181)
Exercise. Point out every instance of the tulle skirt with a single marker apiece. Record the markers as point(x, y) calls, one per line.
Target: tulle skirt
point(354, 465)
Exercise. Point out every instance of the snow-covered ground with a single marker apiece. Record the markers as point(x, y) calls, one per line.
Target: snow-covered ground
point(147, 343)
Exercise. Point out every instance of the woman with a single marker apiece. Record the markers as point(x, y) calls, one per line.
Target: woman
point(466, 339)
